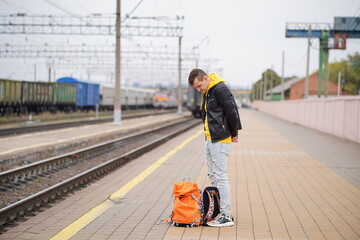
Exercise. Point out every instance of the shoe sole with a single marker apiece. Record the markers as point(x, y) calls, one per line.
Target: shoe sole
point(228, 224)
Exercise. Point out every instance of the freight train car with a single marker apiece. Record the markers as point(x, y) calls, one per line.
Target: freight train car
point(131, 97)
point(23, 97)
point(87, 93)
point(64, 96)
point(36, 96)
point(67, 94)
point(10, 97)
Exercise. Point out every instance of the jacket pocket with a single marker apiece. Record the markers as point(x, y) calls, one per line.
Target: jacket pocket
point(222, 124)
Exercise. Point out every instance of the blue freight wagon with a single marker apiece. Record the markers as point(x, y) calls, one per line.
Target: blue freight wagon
point(87, 93)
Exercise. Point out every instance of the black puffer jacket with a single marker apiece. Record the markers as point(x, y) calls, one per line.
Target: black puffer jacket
point(222, 113)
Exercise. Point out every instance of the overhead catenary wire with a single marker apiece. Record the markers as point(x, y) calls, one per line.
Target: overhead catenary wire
point(64, 10)
point(54, 6)
point(60, 8)
point(82, 7)
point(356, 14)
point(131, 12)
point(297, 62)
point(21, 8)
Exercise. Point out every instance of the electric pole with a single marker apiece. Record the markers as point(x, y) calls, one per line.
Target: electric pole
point(265, 87)
point(271, 82)
point(282, 76)
point(339, 84)
point(35, 72)
point(179, 111)
point(306, 91)
point(117, 99)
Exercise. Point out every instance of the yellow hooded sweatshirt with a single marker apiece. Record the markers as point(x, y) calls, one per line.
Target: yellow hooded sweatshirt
point(215, 79)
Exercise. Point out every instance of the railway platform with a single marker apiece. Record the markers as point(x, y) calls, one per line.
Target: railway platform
point(288, 182)
point(16, 150)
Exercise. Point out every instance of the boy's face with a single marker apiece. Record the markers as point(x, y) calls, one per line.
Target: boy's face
point(201, 85)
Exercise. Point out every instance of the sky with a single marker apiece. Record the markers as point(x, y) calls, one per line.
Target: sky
point(242, 38)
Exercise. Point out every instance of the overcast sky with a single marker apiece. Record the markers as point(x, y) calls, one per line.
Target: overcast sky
point(246, 37)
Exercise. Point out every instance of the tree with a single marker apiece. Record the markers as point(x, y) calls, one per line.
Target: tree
point(258, 87)
point(350, 74)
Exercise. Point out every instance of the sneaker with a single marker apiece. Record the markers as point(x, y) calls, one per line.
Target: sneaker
point(221, 221)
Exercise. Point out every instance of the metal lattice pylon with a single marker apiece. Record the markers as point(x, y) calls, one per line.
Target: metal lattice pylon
point(91, 25)
point(349, 27)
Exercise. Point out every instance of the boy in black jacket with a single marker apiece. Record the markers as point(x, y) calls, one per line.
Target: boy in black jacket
point(221, 124)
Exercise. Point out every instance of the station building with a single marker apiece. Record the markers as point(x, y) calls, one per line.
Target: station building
point(295, 89)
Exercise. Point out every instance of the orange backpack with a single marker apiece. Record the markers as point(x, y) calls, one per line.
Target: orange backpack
point(187, 209)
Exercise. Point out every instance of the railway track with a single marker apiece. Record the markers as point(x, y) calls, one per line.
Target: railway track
point(16, 180)
point(4, 132)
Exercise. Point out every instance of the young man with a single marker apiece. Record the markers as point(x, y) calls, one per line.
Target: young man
point(221, 124)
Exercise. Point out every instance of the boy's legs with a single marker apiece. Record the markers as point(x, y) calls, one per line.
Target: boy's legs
point(216, 155)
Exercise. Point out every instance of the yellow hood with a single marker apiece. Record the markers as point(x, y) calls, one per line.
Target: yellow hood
point(215, 79)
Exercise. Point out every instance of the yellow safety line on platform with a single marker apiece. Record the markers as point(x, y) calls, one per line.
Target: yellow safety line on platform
point(102, 207)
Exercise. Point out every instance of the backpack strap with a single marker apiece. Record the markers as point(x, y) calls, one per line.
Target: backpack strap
point(217, 198)
point(199, 207)
point(194, 197)
point(211, 206)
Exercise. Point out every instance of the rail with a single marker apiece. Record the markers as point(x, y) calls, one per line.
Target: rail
point(45, 127)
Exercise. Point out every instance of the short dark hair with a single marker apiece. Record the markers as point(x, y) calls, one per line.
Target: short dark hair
point(196, 73)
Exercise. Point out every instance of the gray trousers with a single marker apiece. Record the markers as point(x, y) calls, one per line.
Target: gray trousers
point(216, 155)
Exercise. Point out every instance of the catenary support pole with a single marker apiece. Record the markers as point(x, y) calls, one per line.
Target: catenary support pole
point(339, 84)
point(265, 85)
point(117, 99)
point(271, 82)
point(282, 76)
point(179, 111)
point(306, 90)
point(35, 72)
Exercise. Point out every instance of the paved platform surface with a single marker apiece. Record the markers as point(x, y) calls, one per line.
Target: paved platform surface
point(282, 188)
point(341, 155)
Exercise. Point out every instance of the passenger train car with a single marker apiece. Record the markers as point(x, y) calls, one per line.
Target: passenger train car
point(131, 97)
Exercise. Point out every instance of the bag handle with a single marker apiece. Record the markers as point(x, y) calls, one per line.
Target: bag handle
point(188, 177)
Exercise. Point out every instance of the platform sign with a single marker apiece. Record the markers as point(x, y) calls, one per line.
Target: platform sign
point(340, 41)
